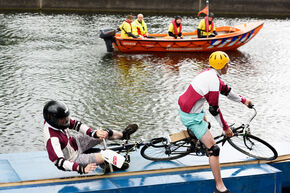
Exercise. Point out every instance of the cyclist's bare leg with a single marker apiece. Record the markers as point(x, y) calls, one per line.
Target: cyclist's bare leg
point(205, 119)
point(214, 163)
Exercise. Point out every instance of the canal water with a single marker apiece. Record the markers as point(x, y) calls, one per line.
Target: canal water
point(61, 57)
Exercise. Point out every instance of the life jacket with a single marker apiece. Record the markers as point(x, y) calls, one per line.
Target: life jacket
point(130, 22)
point(124, 32)
point(139, 28)
point(176, 28)
point(207, 26)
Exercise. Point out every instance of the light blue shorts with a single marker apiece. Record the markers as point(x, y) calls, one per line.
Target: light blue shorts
point(194, 122)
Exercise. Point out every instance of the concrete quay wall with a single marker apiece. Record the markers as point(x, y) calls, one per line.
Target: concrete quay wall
point(279, 8)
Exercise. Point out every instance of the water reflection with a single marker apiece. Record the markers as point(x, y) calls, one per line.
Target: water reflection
point(173, 60)
point(169, 60)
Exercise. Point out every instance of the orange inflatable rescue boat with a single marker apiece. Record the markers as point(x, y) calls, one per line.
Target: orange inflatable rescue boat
point(228, 38)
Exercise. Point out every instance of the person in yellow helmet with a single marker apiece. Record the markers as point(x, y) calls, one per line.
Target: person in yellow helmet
point(206, 27)
point(126, 28)
point(207, 86)
point(139, 26)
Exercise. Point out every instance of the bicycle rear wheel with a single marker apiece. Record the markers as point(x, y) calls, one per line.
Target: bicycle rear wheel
point(159, 149)
point(253, 147)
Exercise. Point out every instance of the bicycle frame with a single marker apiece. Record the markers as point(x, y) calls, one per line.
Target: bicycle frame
point(245, 128)
point(125, 147)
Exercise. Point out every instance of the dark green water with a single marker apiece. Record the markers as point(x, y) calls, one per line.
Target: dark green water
point(61, 57)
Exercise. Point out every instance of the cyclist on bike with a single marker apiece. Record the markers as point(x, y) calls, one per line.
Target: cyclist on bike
point(67, 152)
point(207, 86)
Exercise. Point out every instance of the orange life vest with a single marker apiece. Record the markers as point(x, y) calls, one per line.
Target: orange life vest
point(175, 27)
point(206, 25)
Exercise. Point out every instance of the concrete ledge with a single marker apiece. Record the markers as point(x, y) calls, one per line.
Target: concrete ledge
point(19, 4)
point(183, 7)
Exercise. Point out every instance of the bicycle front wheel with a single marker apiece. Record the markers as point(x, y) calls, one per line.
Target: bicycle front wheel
point(159, 149)
point(253, 147)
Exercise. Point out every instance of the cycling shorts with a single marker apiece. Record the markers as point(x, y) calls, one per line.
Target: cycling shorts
point(194, 122)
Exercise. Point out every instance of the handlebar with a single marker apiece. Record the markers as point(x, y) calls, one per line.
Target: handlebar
point(243, 126)
point(251, 106)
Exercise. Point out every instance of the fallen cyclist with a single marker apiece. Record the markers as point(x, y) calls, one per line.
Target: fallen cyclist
point(67, 152)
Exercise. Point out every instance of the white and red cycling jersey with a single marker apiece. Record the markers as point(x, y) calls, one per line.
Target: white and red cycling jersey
point(207, 86)
point(62, 148)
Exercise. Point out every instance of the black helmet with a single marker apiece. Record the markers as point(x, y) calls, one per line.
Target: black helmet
point(53, 111)
point(178, 17)
point(211, 14)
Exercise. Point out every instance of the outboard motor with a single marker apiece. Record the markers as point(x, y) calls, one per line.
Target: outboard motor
point(108, 36)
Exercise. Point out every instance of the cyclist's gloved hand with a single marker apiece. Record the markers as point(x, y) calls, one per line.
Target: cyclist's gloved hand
point(251, 106)
point(102, 134)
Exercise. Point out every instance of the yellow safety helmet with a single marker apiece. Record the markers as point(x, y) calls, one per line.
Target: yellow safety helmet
point(218, 60)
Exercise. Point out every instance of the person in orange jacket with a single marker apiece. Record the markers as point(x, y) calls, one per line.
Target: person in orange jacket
point(206, 28)
point(175, 28)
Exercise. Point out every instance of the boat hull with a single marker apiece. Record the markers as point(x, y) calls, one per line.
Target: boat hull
point(238, 36)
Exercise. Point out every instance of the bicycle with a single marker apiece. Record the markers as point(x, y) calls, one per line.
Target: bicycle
point(183, 143)
point(123, 148)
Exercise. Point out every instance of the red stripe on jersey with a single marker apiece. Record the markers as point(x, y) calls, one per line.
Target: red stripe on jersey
point(75, 166)
point(51, 153)
point(73, 143)
point(212, 98)
point(63, 140)
point(89, 132)
point(72, 123)
point(225, 124)
point(223, 88)
point(187, 100)
point(243, 100)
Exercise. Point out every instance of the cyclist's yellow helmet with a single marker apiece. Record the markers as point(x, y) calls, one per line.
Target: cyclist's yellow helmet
point(218, 60)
